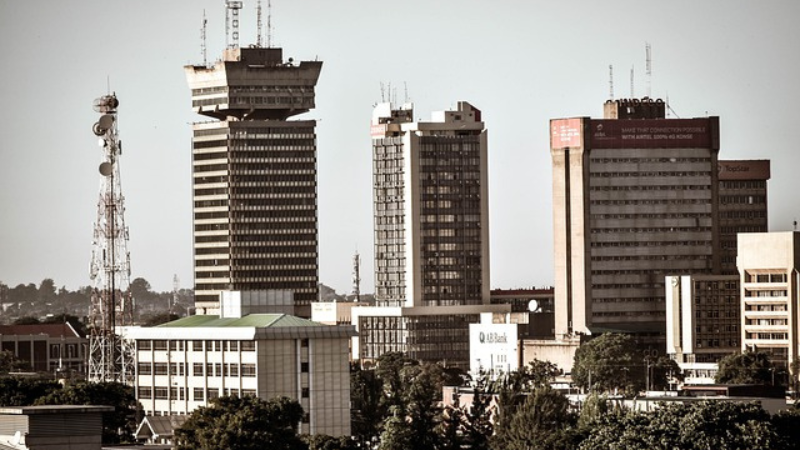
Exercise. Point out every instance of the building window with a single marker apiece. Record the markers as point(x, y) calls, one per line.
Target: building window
point(248, 346)
point(160, 345)
point(251, 392)
point(233, 346)
point(198, 394)
point(210, 369)
point(197, 346)
point(304, 343)
point(161, 368)
point(213, 393)
point(55, 351)
point(145, 368)
point(234, 370)
point(218, 369)
point(248, 370)
point(197, 369)
point(144, 345)
point(304, 392)
point(145, 392)
point(306, 418)
point(161, 393)
point(304, 367)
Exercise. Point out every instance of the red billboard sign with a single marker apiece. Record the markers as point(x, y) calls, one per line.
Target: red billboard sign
point(566, 133)
point(654, 133)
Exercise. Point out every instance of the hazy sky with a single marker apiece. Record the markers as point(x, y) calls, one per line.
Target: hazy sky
point(520, 62)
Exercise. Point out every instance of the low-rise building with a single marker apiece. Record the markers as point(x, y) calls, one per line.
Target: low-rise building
point(181, 365)
point(46, 347)
point(703, 322)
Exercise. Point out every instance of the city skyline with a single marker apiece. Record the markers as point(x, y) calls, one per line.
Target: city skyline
point(520, 63)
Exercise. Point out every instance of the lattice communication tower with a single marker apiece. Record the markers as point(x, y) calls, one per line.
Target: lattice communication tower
point(111, 356)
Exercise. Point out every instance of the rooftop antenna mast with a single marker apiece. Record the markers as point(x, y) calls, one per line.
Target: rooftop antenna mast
point(648, 67)
point(175, 287)
point(356, 277)
point(232, 8)
point(203, 48)
point(632, 96)
point(259, 42)
point(383, 93)
point(611, 81)
point(269, 23)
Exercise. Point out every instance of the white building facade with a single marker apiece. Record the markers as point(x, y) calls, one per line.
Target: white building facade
point(769, 266)
point(182, 365)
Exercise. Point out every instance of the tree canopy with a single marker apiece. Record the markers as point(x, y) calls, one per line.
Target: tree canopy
point(745, 368)
point(609, 362)
point(243, 423)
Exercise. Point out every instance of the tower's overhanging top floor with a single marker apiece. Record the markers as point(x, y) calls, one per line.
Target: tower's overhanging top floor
point(253, 84)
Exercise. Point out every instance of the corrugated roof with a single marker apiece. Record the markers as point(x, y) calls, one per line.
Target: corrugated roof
point(250, 320)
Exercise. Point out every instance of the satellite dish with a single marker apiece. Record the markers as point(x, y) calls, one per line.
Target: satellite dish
point(533, 306)
point(105, 169)
point(106, 121)
point(97, 130)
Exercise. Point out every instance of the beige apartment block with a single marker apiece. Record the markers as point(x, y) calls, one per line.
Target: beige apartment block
point(769, 266)
point(182, 365)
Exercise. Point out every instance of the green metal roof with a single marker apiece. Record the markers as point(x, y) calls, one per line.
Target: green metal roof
point(250, 320)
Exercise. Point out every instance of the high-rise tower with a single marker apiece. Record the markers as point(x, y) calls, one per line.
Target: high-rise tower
point(635, 198)
point(254, 177)
point(431, 234)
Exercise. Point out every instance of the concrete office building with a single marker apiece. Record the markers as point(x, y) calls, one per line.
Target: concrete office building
point(769, 266)
point(742, 205)
point(182, 365)
point(254, 177)
point(431, 235)
point(703, 322)
point(635, 198)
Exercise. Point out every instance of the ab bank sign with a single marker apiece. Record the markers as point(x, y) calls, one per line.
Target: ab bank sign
point(493, 348)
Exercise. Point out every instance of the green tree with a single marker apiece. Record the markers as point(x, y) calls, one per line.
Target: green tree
point(325, 442)
point(662, 371)
point(424, 391)
point(607, 363)
point(118, 425)
point(390, 369)
point(542, 422)
point(690, 426)
point(367, 406)
point(787, 426)
point(396, 434)
point(478, 427)
point(23, 391)
point(745, 368)
point(47, 291)
point(452, 428)
point(10, 363)
point(242, 423)
point(27, 320)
